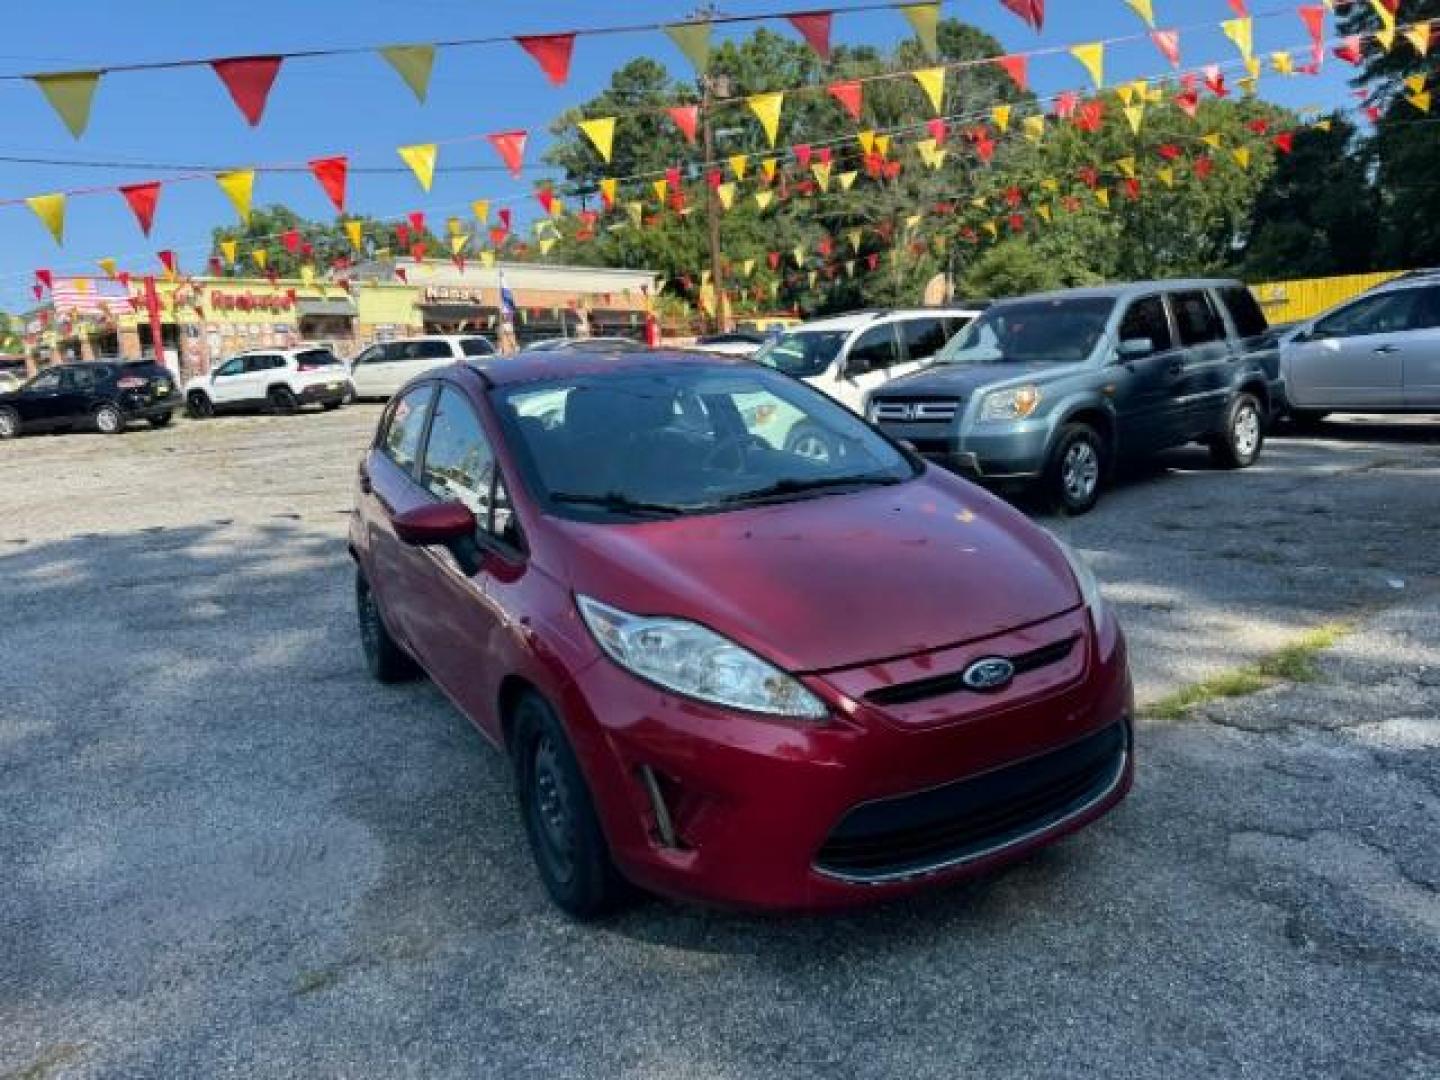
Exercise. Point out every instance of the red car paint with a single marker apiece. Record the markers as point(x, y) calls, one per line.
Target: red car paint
point(852, 593)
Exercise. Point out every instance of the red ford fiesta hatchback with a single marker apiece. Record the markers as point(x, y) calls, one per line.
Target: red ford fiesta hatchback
point(725, 669)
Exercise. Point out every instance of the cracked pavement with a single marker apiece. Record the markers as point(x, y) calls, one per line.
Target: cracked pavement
point(226, 852)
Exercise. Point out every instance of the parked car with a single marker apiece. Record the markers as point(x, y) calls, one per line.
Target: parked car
point(605, 345)
point(103, 397)
point(1053, 390)
point(280, 380)
point(1379, 353)
point(849, 356)
point(380, 370)
point(723, 670)
point(731, 343)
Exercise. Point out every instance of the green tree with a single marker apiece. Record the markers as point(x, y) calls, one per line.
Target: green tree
point(328, 240)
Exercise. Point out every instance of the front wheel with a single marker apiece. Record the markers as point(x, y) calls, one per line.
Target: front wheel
point(559, 815)
point(199, 406)
point(9, 423)
point(161, 420)
point(387, 661)
point(1238, 446)
point(109, 420)
point(283, 401)
point(1073, 473)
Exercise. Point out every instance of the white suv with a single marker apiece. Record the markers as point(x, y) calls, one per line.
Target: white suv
point(382, 369)
point(281, 380)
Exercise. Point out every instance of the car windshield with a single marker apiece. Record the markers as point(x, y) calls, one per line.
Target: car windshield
point(671, 441)
point(1062, 331)
point(803, 353)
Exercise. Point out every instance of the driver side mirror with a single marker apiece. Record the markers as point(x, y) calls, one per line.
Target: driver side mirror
point(436, 524)
point(1135, 349)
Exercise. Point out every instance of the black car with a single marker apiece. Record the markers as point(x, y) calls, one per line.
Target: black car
point(103, 396)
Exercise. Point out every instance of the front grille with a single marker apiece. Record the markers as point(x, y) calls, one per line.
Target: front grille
point(913, 835)
point(914, 411)
point(954, 682)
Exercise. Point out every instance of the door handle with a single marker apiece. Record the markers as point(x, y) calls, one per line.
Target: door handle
point(1387, 349)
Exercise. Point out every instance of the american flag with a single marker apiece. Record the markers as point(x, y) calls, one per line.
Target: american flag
point(90, 296)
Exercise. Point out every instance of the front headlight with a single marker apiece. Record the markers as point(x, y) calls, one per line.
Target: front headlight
point(1014, 404)
point(697, 662)
point(1084, 577)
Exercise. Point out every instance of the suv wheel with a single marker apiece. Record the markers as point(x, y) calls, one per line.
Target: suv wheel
point(808, 441)
point(387, 662)
point(199, 406)
point(1077, 464)
point(160, 420)
point(9, 423)
point(109, 420)
point(559, 815)
point(1239, 444)
point(282, 400)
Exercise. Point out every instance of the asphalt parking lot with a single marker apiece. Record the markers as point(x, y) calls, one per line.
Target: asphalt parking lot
point(226, 851)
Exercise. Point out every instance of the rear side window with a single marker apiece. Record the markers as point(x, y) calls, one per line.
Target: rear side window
point(923, 337)
point(427, 350)
point(81, 379)
point(874, 351)
point(1385, 313)
point(1196, 318)
point(476, 346)
point(316, 358)
point(1146, 319)
point(404, 425)
point(1426, 314)
point(1245, 313)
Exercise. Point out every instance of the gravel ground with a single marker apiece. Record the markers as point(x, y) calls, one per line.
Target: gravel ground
point(224, 851)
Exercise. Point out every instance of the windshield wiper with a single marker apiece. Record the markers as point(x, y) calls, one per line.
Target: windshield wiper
point(617, 503)
point(783, 488)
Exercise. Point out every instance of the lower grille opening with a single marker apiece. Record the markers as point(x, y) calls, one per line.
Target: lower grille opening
point(916, 834)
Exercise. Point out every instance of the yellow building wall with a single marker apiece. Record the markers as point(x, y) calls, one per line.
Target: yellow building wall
point(378, 304)
point(1304, 298)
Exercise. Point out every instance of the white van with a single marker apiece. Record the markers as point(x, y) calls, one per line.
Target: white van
point(382, 369)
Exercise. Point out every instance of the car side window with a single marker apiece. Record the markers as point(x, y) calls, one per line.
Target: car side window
point(1146, 319)
point(1387, 313)
point(1244, 311)
point(460, 464)
point(1426, 313)
point(368, 356)
point(77, 380)
point(45, 382)
point(233, 366)
point(875, 350)
point(404, 426)
point(262, 363)
point(923, 337)
point(1196, 318)
point(428, 350)
point(477, 346)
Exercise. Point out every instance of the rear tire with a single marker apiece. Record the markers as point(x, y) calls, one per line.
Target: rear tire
point(162, 420)
point(283, 401)
point(330, 406)
point(1239, 445)
point(199, 406)
point(1077, 465)
point(559, 815)
point(109, 420)
point(387, 661)
point(9, 423)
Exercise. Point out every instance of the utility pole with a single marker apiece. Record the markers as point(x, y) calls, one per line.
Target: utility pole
point(711, 87)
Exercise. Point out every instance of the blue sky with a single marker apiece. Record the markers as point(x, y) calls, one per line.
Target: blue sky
point(358, 106)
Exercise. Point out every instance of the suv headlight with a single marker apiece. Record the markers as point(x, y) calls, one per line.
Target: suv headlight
point(1084, 577)
point(689, 659)
point(1014, 404)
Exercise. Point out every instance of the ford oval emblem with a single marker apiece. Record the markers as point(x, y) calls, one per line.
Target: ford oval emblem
point(991, 673)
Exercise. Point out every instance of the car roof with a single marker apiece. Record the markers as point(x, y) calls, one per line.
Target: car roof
point(856, 319)
point(1123, 289)
point(565, 364)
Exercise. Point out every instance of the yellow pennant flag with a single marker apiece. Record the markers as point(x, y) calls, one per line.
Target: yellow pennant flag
point(926, 148)
point(992, 228)
point(1386, 36)
point(413, 63)
point(1135, 114)
point(421, 159)
point(601, 133)
point(239, 188)
point(261, 257)
point(50, 209)
point(849, 267)
point(693, 39)
point(111, 268)
point(228, 249)
point(726, 193)
point(937, 159)
point(1283, 63)
point(1212, 139)
point(458, 242)
point(1420, 99)
point(453, 226)
point(661, 189)
point(1384, 14)
point(481, 209)
point(767, 168)
point(882, 145)
point(70, 94)
point(1126, 165)
point(932, 81)
point(1102, 196)
point(847, 180)
point(1166, 175)
point(866, 139)
point(1416, 83)
point(747, 267)
point(1321, 125)
point(487, 258)
point(763, 198)
point(854, 236)
point(609, 187)
point(355, 230)
point(821, 169)
point(307, 275)
point(1092, 59)
point(799, 254)
point(1145, 9)
point(980, 202)
point(766, 108)
point(1043, 211)
point(925, 19)
point(812, 277)
point(1125, 93)
point(1001, 115)
point(1034, 128)
point(1242, 33)
point(1419, 38)
point(546, 244)
point(912, 222)
point(1242, 156)
point(636, 210)
point(1050, 184)
point(738, 163)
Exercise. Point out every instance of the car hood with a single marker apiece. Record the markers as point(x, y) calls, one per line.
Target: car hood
point(962, 380)
point(839, 580)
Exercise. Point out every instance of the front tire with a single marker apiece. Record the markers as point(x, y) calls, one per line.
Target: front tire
point(109, 420)
point(283, 401)
point(1077, 464)
point(199, 406)
point(1239, 445)
point(9, 423)
point(387, 661)
point(162, 420)
point(559, 815)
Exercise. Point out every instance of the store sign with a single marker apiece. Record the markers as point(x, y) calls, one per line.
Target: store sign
point(453, 294)
point(237, 301)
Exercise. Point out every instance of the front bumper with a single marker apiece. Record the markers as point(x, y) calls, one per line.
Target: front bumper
point(759, 808)
point(987, 452)
point(324, 393)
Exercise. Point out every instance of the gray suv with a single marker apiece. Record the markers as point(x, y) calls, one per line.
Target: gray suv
point(1052, 390)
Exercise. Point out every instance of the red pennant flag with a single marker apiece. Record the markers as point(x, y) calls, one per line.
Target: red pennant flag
point(497, 236)
point(167, 260)
point(1373, 112)
point(546, 196)
point(823, 155)
point(1215, 80)
point(417, 220)
point(552, 53)
point(291, 239)
point(714, 178)
point(402, 236)
point(1066, 103)
point(1014, 196)
point(306, 248)
point(936, 128)
point(872, 260)
point(142, 199)
point(1131, 188)
point(1168, 42)
point(814, 27)
point(38, 290)
point(892, 170)
point(672, 178)
point(1238, 6)
point(773, 258)
point(848, 94)
point(217, 268)
point(1314, 18)
point(687, 119)
point(802, 154)
point(985, 147)
point(1017, 223)
point(1032, 11)
point(400, 273)
point(505, 219)
point(1169, 151)
point(510, 145)
point(1350, 50)
point(330, 173)
point(1285, 142)
point(249, 79)
point(1090, 116)
point(1259, 126)
point(1188, 102)
point(1089, 176)
point(1203, 166)
point(1018, 68)
point(417, 252)
point(124, 278)
point(45, 278)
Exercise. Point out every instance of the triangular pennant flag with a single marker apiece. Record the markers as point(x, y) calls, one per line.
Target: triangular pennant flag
point(854, 236)
point(687, 119)
point(481, 209)
point(608, 188)
point(747, 267)
point(110, 266)
point(814, 27)
point(1017, 66)
point(1126, 165)
point(738, 163)
point(799, 255)
point(1168, 42)
point(601, 133)
point(1211, 139)
point(1242, 156)
point(726, 194)
point(1125, 93)
point(510, 145)
point(766, 108)
point(1145, 9)
point(848, 94)
point(142, 199)
point(636, 211)
point(414, 64)
point(1135, 115)
point(821, 169)
point(421, 159)
point(763, 198)
point(1034, 128)
point(1419, 38)
point(1092, 59)
point(249, 79)
point(847, 180)
point(261, 258)
point(1350, 50)
point(168, 261)
point(355, 230)
point(992, 228)
point(1283, 63)
point(228, 248)
point(330, 173)
point(239, 187)
point(1102, 196)
point(866, 139)
point(552, 52)
point(1166, 175)
point(693, 39)
point(882, 144)
point(925, 19)
point(457, 243)
point(50, 209)
point(1032, 11)
point(932, 81)
point(1001, 115)
point(1242, 33)
point(767, 169)
point(662, 189)
point(70, 94)
point(1043, 211)
point(1386, 37)
point(1420, 99)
